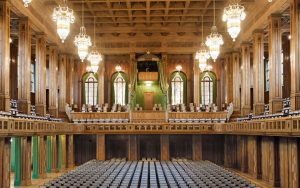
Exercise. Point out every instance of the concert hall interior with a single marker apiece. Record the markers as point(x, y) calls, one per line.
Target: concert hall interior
point(149, 93)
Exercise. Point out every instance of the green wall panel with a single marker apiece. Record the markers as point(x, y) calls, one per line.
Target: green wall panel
point(12, 154)
point(17, 177)
point(159, 97)
point(35, 162)
point(48, 154)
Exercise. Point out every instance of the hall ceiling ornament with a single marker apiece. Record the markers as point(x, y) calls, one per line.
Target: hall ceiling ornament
point(82, 40)
point(64, 17)
point(26, 3)
point(233, 15)
point(214, 40)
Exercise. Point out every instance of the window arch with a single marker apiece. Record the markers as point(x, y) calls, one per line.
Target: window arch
point(91, 90)
point(119, 90)
point(207, 87)
point(177, 92)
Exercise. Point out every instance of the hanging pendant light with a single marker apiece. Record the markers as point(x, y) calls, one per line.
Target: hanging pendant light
point(233, 15)
point(26, 3)
point(82, 40)
point(94, 57)
point(64, 17)
point(214, 40)
point(203, 54)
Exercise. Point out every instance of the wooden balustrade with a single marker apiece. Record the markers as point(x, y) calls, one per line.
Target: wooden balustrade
point(289, 126)
point(148, 116)
point(98, 115)
point(197, 115)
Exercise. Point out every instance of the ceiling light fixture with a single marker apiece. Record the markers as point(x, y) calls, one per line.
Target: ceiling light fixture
point(178, 68)
point(203, 54)
point(64, 17)
point(82, 40)
point(214, 40)
point(26, 3)
point(94, 57)
point(118, 68)
point(233, 15)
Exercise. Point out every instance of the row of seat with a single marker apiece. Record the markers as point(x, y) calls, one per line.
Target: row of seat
point(149, 174)
point(100, 120)
point(211, 120)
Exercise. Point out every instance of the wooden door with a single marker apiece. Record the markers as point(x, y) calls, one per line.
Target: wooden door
point(148, 100)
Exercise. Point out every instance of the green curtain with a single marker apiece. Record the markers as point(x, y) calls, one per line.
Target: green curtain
point(133, 86)
point(162, 84)
point(84, 78)
point(113, 77)
point(183, 76)
point(34, 149)
point(214, 80)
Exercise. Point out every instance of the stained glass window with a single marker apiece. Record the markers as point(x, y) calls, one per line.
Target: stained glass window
point(177, 90)
point(119, 88)
point(91, 88)
point(206, 90)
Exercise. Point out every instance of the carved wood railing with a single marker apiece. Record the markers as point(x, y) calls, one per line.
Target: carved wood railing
point(16, 126)
point(98, 115)
point(289, 126)
point(197, 115)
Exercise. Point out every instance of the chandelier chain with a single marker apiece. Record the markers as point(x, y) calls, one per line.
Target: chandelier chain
point(214, 12)
point(202, 27)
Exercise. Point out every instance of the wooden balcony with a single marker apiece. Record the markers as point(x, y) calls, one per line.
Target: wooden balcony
point(289, 126)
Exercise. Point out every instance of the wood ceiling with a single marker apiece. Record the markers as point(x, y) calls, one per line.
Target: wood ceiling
point(173, 26)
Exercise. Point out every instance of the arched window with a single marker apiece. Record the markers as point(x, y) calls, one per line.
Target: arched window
point(177, 90)
point(207, 90)
point(119, 89)
point(91, 88)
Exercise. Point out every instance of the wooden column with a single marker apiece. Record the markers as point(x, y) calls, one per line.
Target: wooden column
point(24, 159)
point(197, 147)
point(24, 60)
point(132, 148)
point(242, 153)
point(275, 101)
point(101, 73)
point(100, 147)
point(246, 78)
point(62, 83)
point(196, 82)
point(289, 172)
point(228, 78)
point(230, 151)
point(4, 162)
point(295, 53)
point(53, 70)
point(269, 160)
point(40, 74)
point(41, 156)
point(286, 89)
point(164, 147)
point(258, 72)
point(252, 156)
point(70, 80)
point(63, 152)
point(236, 81)
point(4, 55)
point(70, 152)
point(54, 154)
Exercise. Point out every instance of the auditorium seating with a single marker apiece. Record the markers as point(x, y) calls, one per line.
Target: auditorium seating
point(165, 174)
point(286, 111)
point(16, 114)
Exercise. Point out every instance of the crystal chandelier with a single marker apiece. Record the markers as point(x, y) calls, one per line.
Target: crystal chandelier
point(82, 41)
point(26, 2)
point(94, 57)
point(64, 17)
point(214, 40)
point(233, 15)
point(203, 54)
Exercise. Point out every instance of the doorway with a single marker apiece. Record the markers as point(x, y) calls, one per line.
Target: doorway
point(148, 100)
